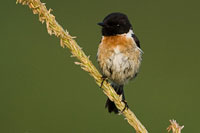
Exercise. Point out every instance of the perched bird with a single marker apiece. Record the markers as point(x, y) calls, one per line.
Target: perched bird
point(119, 54)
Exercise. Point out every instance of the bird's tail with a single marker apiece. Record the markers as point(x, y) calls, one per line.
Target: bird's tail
point(111, 105)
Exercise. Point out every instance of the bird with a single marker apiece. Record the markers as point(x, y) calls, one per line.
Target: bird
point(119, 54)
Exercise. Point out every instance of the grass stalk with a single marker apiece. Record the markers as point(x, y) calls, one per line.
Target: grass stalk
point(66, 40)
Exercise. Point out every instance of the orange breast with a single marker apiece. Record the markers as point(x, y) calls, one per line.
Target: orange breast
point(113, 41)
point(119, 58)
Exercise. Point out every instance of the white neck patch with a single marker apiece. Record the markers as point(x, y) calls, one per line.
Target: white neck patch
point(129, 34)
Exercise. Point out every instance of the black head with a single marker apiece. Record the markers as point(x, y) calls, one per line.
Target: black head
point(115, 23)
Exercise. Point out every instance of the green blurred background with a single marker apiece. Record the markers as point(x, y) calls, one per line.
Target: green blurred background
point(43, 91)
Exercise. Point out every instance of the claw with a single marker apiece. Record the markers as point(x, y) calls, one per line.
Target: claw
point(103, 79)
point(126, 105)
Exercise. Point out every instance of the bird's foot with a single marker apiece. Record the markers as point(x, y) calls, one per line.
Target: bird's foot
point(126, 105)
point(104, 78)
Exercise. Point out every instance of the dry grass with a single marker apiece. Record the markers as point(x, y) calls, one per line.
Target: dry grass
point(53, 28)
point(174, 127)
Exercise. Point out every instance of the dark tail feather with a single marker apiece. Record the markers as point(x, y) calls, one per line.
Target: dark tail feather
point(111, 105)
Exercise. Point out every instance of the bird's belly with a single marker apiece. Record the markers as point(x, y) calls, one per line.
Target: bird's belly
point(120, 68)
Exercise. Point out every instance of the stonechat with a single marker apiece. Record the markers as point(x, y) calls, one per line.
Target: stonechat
point(119, 54)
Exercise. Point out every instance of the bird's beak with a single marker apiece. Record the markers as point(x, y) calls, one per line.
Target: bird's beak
point(101, 24)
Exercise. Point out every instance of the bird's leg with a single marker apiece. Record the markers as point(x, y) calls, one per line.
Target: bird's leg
point(104, 78)
point(126, 105)
point(124, 101)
